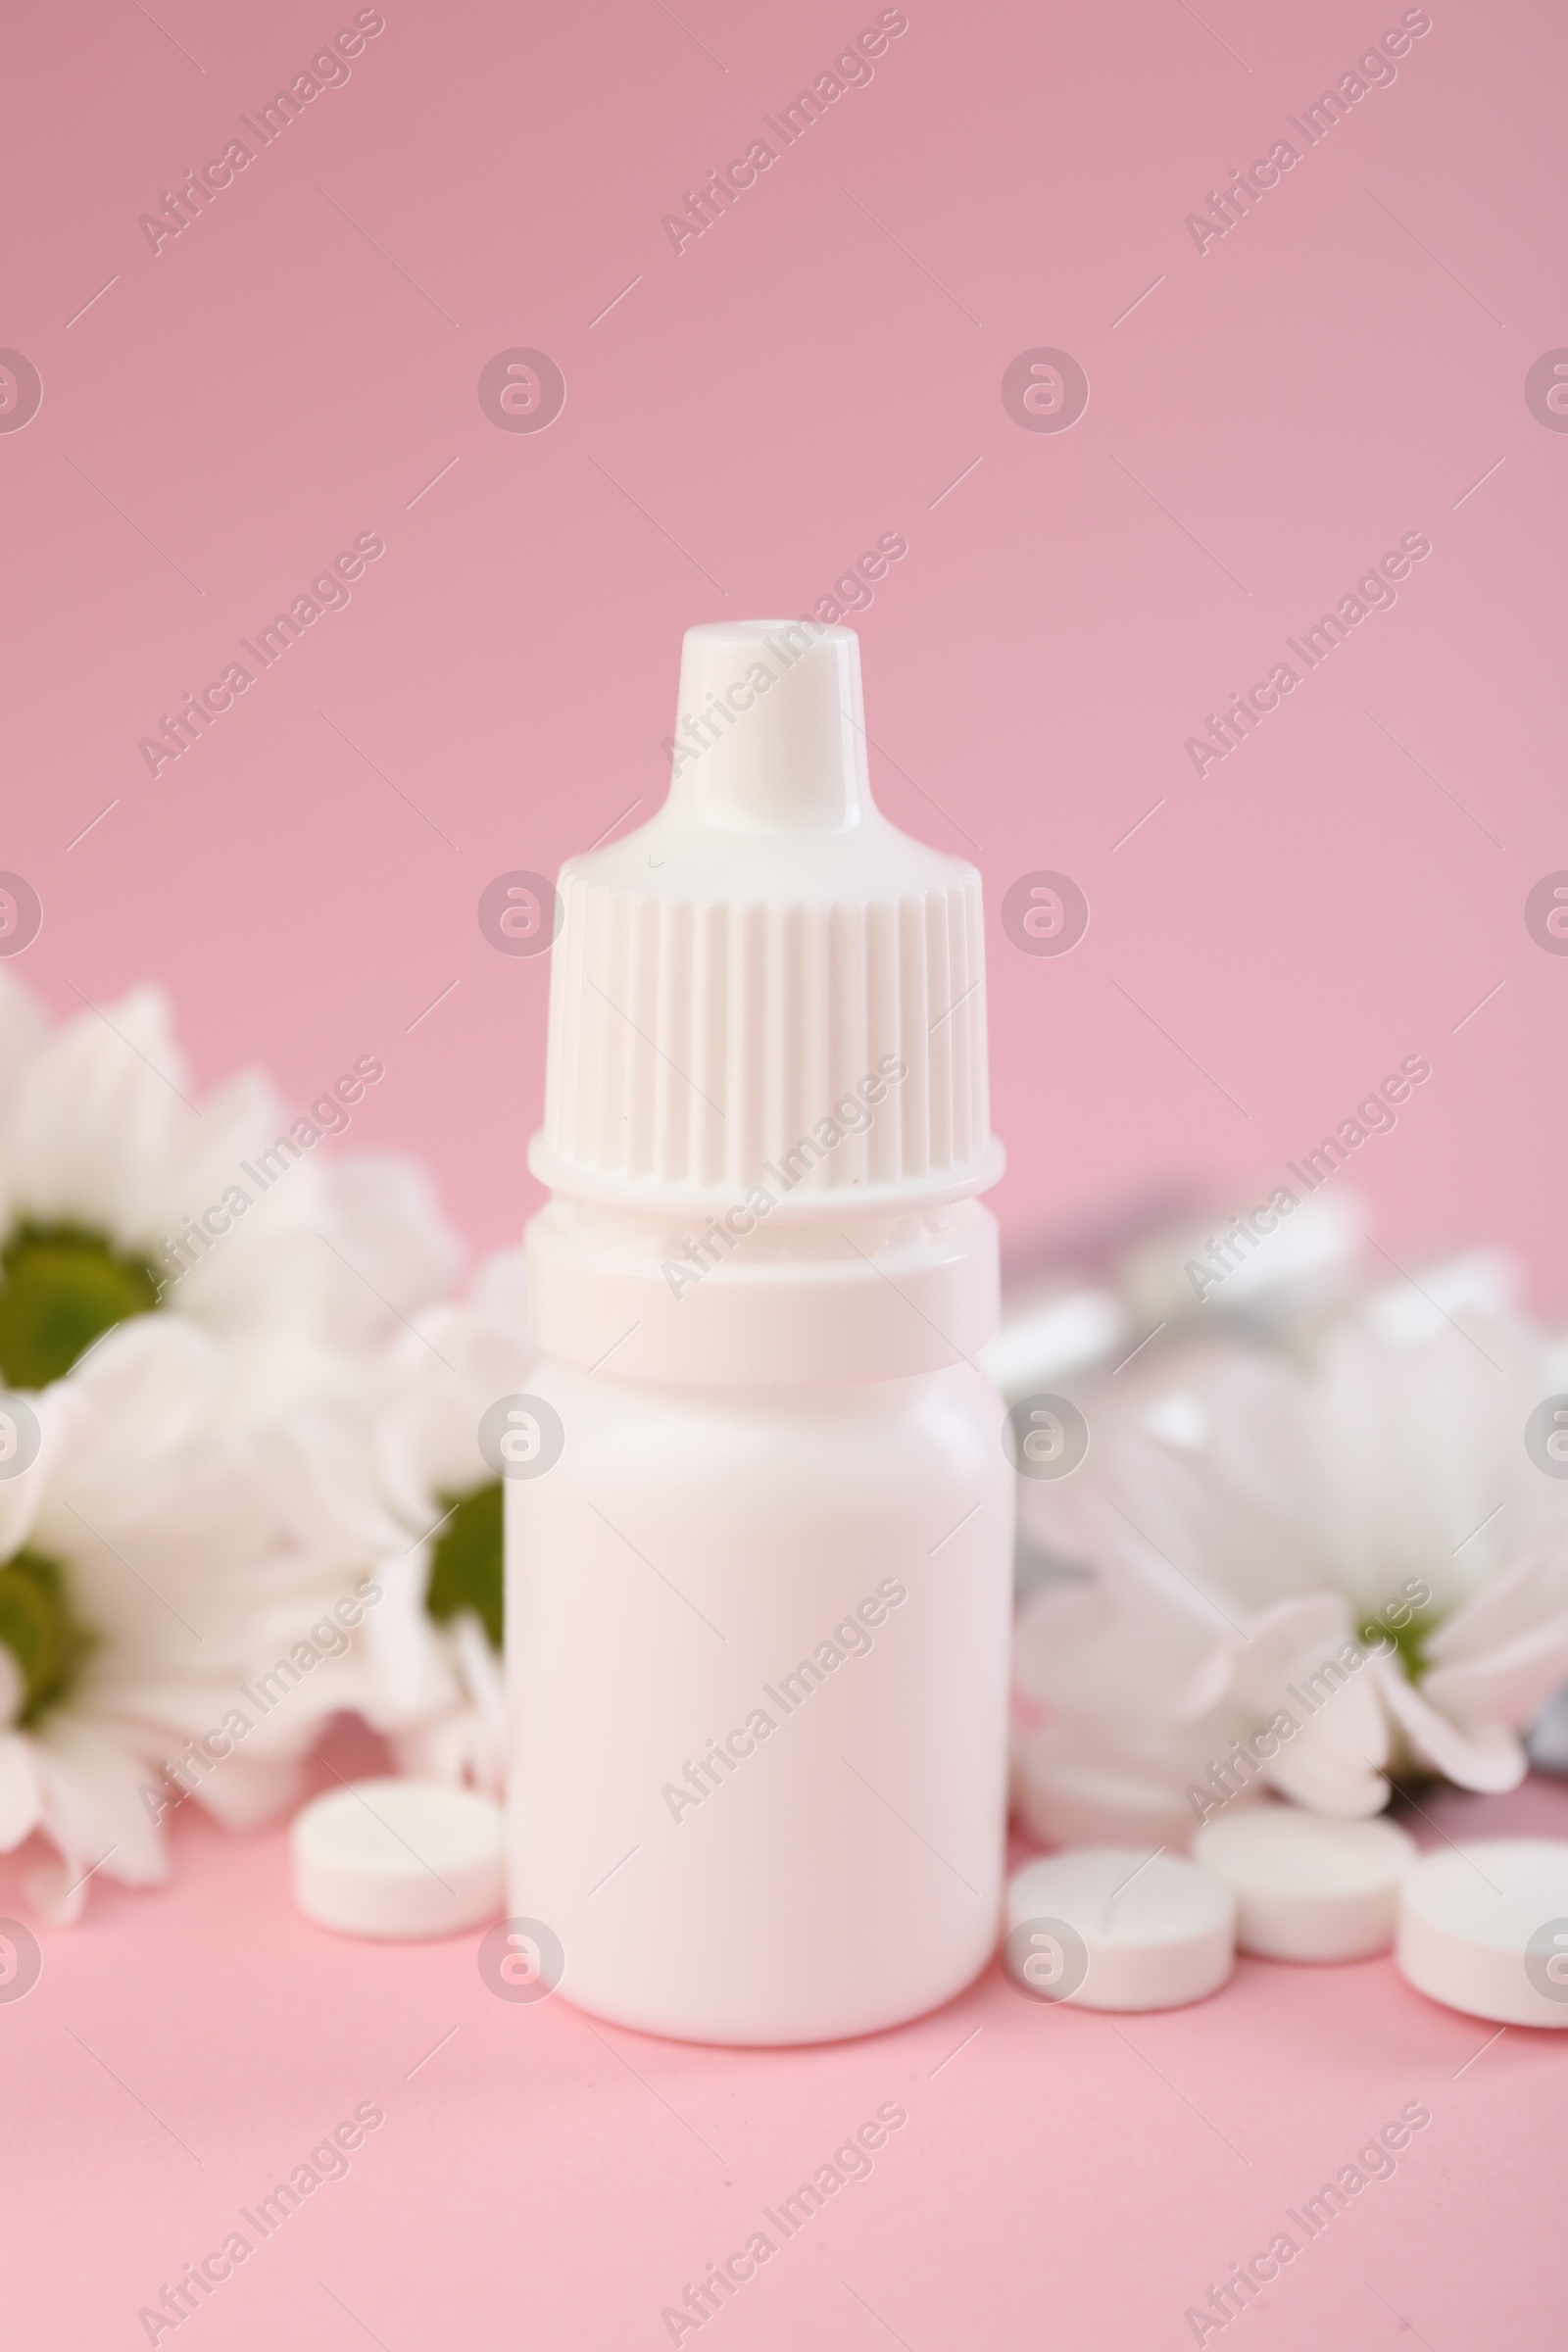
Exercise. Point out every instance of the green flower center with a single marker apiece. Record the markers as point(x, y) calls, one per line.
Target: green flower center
point(466, 1569)
point(1410, 1640)
point(61, 1288)
point(39, 1627)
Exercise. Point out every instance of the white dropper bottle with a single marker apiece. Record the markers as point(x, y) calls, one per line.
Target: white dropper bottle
point(758, 1596)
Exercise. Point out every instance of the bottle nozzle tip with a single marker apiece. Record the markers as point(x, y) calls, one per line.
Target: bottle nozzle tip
point(769, 733)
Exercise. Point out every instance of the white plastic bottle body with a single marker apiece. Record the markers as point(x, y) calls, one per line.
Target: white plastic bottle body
point(758, 1658)
point(758, 1596)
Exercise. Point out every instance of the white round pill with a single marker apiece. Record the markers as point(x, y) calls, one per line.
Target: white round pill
point(1308, 1886)
point(1118, 1928)
point(1483, 1928)
point(398, 1858)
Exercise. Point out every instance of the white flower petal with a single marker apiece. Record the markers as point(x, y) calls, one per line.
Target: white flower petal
point(1512, 1687)
point(411, 1669)
point(1532, 1590)
point(1290, 1641)
point(61, 1419)
point(481, 1674)
point(90, 1779)
point(440, 1377)
point(1483, 1756)
point(206, 1525)
point(24, 1029)
point(19, 1786)
point(459, 1748)
point(144, 1389)
point(23, 1025)
point(1330, 1764)
point(99, 1127)
point(382, 1212)
point(1082, 1648)
point(13, 1689)
point(96, 1114)
point(245, 1791)
point(1240, 1486)
point(1077, 1803)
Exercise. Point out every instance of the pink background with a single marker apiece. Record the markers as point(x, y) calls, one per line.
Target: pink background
point(784, 391)
point(299, 367)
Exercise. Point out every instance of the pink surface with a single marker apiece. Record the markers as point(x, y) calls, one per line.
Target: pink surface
point(821, 368)
point(1061, 2178)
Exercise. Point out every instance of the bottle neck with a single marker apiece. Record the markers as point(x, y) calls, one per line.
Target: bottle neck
point(741, 1303)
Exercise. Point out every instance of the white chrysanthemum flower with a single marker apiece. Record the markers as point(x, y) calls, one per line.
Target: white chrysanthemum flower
point(121, 1194)
point(435, 1646)
point(177, 1604)
point(1299, 1575)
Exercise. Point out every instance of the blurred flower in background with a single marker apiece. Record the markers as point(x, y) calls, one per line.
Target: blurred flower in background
point(1303, 1553)
point(1114, 1304)
point(435, 1648)
point(121, 1196)
point(172, 1599)
point(190, 1292)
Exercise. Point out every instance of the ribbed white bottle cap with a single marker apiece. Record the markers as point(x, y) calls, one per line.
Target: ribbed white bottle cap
point(769, 984)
